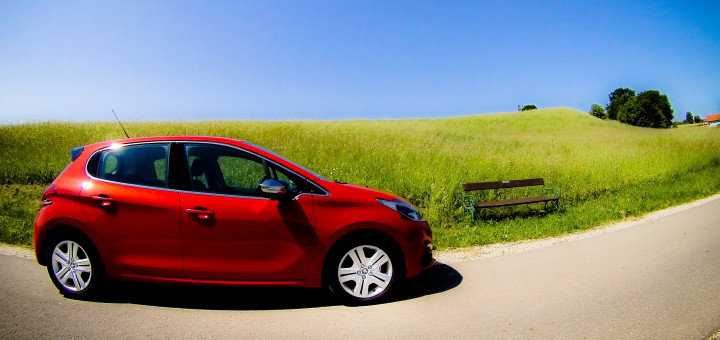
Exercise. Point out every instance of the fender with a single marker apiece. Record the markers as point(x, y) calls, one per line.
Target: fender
point(322, 248)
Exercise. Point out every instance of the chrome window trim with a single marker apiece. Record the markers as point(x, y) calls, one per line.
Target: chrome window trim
point(87, 173)
point(318, 186)
point(180, 191)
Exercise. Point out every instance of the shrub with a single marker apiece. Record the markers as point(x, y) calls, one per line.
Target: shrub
point(598, 111)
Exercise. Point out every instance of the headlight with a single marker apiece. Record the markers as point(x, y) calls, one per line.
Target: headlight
point(405, 210)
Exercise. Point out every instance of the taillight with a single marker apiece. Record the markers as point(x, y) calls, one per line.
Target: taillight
point(50, 191)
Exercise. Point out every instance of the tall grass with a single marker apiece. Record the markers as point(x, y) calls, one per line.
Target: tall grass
point(426, 160)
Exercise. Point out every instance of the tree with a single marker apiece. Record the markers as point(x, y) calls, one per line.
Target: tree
point(598, 111)
point(528, 107)
point(618, 98)
point(698, 119)
point(626, 111)
point(652, 109)
point(689, 119)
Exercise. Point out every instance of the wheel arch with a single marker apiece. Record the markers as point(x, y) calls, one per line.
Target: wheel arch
point(58, 230)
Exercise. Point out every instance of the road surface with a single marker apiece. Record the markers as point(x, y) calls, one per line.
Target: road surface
point(659, 279)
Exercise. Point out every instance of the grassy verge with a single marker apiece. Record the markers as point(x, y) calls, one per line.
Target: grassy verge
point(525, 223)
point(605, 170)
point(19, 204)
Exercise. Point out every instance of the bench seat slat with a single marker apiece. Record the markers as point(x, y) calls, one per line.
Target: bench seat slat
point(503, 184)
point(516, 201)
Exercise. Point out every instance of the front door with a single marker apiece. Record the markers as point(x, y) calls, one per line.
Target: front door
point(230, 231)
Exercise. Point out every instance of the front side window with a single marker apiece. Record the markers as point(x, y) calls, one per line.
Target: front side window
point(145, 164)
point(225, 170)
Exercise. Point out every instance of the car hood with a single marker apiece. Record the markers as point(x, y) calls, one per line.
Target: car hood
point(361, 192)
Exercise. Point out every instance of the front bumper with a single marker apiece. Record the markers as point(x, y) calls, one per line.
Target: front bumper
point(418, 250)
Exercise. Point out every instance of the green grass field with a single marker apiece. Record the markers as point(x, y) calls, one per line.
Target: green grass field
point(606, 170)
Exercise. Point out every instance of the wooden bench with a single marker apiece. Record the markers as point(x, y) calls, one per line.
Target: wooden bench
point(471, 205)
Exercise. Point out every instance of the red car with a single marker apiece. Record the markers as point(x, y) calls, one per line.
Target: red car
point(217, 211)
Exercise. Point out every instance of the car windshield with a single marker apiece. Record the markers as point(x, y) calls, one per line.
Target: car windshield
point(287, 160)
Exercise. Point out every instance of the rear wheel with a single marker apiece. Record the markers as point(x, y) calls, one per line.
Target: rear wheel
point(74, 267)
point(362, 272)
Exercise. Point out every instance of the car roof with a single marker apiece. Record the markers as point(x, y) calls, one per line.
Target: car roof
point(171, 138)
point(103, 144)
point(222, 140)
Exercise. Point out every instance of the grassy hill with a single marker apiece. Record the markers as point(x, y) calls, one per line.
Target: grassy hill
point(605, 170)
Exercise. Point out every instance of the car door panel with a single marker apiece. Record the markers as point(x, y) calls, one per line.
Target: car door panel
point(252, 239)
point(140, 224)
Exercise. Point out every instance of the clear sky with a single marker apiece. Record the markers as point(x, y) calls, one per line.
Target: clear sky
point(195, 60)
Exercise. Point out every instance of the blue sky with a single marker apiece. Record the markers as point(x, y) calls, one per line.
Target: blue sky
point(193, 60)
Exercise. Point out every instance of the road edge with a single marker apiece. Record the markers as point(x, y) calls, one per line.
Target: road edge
point(715, 336)
point(22, 252)
point(499, 249)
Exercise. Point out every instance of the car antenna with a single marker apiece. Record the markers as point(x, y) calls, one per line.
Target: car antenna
point(118, 120)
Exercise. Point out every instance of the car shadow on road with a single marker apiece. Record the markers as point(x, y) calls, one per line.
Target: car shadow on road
point(438, 279)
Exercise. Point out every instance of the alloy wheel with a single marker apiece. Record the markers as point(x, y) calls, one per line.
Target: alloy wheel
point(71, 266)
point(365, 271)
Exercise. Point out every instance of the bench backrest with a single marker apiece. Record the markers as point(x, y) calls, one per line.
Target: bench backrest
point(503, 184)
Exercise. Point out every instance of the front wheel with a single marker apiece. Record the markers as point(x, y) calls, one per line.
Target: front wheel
point(363, 272)
point(74, 267)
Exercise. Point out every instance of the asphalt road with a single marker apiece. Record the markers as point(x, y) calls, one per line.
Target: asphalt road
point(657, 280)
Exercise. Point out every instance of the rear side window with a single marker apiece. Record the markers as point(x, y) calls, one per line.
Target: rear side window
point(145, 164)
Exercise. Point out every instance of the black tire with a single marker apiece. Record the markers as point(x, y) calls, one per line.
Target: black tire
point(364, 279)
point(75, 267)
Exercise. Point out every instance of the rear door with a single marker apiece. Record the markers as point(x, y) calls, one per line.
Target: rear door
point(129, 204)
point(230, 231)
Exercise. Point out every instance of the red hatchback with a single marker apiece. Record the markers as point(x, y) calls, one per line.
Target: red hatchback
point(217, 211)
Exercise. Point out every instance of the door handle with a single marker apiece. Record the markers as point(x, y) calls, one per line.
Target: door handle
point(200, 213)
point(103, 200)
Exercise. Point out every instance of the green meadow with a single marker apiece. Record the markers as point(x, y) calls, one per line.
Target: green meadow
point(605, 170)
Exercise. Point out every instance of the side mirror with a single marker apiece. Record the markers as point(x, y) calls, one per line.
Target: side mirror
point(273, 187)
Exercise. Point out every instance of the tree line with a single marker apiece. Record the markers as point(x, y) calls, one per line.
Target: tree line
point(690, 119)
point(647, 109)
